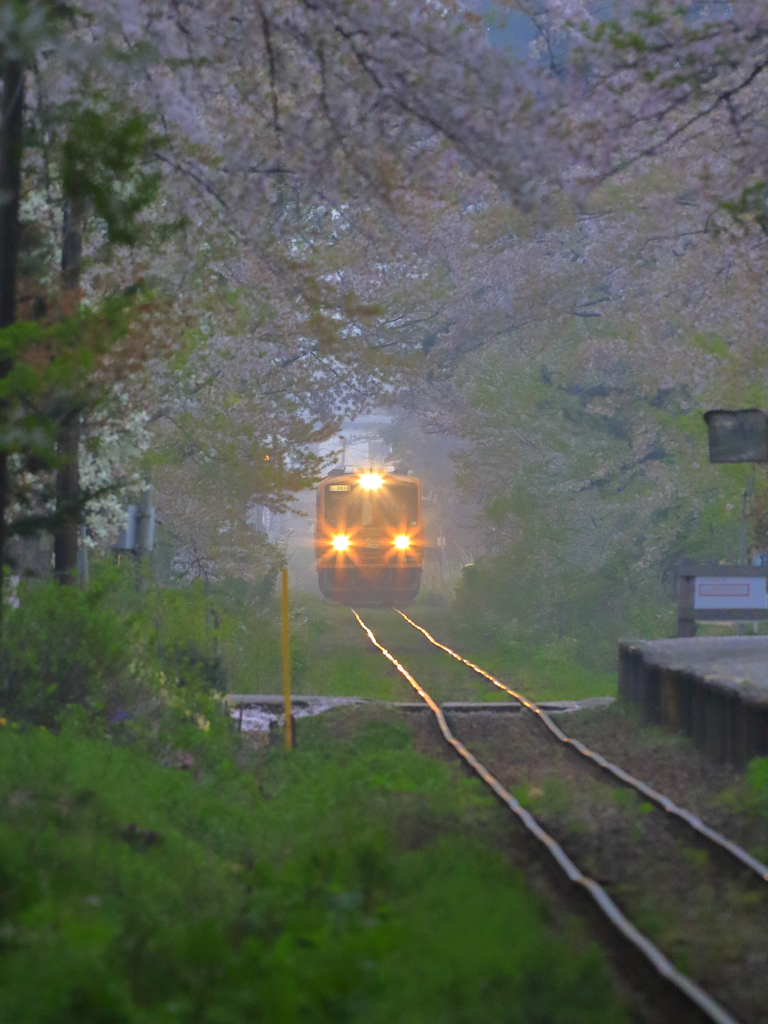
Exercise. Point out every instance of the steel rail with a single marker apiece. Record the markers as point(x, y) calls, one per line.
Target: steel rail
point(711, 835)
point(685, 985)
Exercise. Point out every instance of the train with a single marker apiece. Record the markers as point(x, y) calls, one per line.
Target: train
point(369, 537)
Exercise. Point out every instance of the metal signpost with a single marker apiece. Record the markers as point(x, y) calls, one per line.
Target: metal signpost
point(138, 535)
point(727, 593)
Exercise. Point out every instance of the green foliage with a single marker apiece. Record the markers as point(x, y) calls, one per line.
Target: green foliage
point(136, 663)
point(221, 637)
point(556, 626)
point(751, 205)
point(592, 478)
point(103, 161)
point(335, 885)
point(187, 632)
point(100, 154)
point(62, 355)
point(127, 646)
point(757, 781)
point(62, 647)
point(27, 26)
point(50, 366)
point(223, 634)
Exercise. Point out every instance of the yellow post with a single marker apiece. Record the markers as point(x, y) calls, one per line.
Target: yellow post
point(287, 667)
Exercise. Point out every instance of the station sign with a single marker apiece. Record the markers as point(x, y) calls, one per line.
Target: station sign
point(720, 593)
point(729, 592)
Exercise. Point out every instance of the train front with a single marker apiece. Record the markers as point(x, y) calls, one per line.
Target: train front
point(369, 538)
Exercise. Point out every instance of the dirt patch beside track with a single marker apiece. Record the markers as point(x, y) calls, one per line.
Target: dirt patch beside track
point(706, 914)
point(677, 768)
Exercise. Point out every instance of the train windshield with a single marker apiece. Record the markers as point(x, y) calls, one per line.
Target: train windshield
point(395, 506)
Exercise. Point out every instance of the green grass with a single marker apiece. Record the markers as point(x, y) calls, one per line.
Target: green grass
point(553, 671)
point(542, 677)
point(333, 658)
point(353, 881)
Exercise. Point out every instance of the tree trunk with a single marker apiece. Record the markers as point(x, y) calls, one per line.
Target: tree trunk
point(68, 446)
point(67, 499)
point(11, 140)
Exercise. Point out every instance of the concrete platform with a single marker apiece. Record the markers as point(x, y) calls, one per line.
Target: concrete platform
point(714, 689)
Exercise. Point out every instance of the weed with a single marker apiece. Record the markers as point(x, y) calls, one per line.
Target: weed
point(131, 892)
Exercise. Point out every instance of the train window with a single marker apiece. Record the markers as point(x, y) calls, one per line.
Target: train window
point(342, 509)
point(399, 506)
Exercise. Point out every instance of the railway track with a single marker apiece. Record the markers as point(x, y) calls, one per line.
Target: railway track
point(687, 993)
point(703, 831)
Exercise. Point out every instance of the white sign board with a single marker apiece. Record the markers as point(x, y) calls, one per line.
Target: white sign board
point(718, 592)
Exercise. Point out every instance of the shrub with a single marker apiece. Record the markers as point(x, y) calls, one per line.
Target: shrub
point(71, 657)
point(62, 647)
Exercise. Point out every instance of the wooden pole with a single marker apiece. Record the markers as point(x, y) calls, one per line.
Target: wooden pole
point(287, 667)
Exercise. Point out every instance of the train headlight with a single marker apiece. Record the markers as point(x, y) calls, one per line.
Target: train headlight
point(371, 481)
point(340, 542)
point(402, 542)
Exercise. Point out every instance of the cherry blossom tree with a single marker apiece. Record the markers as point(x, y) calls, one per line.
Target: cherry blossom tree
point(680, 78)
point(302, 144)
point(244, 171)
point(354, 198)
point(580, 424)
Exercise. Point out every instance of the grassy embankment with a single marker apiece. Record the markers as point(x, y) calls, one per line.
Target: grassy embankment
point(355, 880)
